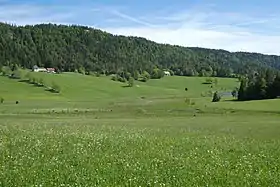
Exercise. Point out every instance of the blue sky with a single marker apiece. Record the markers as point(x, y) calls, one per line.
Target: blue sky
point(234, 25)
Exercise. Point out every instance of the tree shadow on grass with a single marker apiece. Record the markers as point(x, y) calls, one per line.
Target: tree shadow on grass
point(126, 86)
point(232, 100)
point(32, 83)
point(52, 90)
point(25, 81)
point(207, 83)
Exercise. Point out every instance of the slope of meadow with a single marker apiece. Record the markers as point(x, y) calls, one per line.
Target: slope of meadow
point(98, 132)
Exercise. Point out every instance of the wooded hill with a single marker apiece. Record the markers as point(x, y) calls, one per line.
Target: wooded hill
point(71, 48)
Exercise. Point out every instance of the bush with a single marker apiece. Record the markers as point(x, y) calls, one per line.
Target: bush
point(216, 97)
point(157, 73)
point(17, 74)
point(130, 82)
point(186, 89)
point(97, 74)
point(234, 93)
point(33, 80)
point(1, 100)
point(41, 82)
point(81, 70)
point(216, 81)
point(6, 71)
point(114, 78)
point(208, 81)
point(143, 79)
point(28, 76)
point(55, 88)
point(121, 79)
point(118, 78)
point(146, 75)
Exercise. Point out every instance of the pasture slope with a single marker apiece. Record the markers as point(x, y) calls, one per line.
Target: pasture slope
point(98, 132)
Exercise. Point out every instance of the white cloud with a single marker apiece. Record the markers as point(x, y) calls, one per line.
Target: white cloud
point(210, 30)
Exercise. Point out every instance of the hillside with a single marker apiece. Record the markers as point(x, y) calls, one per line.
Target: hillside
point(163, 97)
point(71, 48)
point(82, 88)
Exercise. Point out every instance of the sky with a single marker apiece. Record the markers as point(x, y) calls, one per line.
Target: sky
point(233, 25)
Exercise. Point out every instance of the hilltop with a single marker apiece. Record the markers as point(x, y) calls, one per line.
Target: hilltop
point(85, 49)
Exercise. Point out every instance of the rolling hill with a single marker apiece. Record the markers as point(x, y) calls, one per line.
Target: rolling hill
point(80, 48)
point(88, 92)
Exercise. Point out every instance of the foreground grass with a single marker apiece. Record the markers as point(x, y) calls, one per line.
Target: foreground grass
point(83, 151)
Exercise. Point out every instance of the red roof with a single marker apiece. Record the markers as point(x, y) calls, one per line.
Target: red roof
point(50, 69)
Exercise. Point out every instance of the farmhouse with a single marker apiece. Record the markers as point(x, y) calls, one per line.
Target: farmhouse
point(40, 69)
point(50, 70)
point(166, 73)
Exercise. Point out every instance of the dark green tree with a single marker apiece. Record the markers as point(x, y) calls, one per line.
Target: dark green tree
point(234, 93)
point(216, 97)
point(242, 90)
point(1, 100)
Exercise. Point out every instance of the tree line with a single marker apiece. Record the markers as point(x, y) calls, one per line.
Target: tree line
point(259, 86)
point(24, 76)
point(87, 50)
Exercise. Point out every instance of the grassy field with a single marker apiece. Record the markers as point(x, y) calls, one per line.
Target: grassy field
point(98, 132)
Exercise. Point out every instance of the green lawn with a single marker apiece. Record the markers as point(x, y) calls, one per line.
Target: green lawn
point(98, 133)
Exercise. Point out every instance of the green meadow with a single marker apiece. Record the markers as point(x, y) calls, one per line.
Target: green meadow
point(98, 132)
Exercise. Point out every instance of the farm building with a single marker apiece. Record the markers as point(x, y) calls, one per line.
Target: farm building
point(167, 73)
point(40, 69)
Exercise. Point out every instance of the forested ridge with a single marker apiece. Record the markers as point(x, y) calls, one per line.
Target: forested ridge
point(69, 48)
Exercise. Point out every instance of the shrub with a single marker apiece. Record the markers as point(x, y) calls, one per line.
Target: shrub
point(55, 88)
point(81, 70)
point(234, 93)
point(121, 79)
point(130, 82)
point(33, 80)
point(114, 78)
point(1, 100)
point(208, 81)
point(41, 82)
point(17, 74)
point(28, 76)
point(216, 97)
point(146, 75)
point(157, 73)
point(216, 81)
point(97, 74)
point(6, 71)
point(143, 79)
point(186, 89)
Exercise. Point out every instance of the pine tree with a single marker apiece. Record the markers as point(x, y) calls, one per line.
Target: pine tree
point(275, 87)
point(262, 87)
point(216, 97)
point(242, 90)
